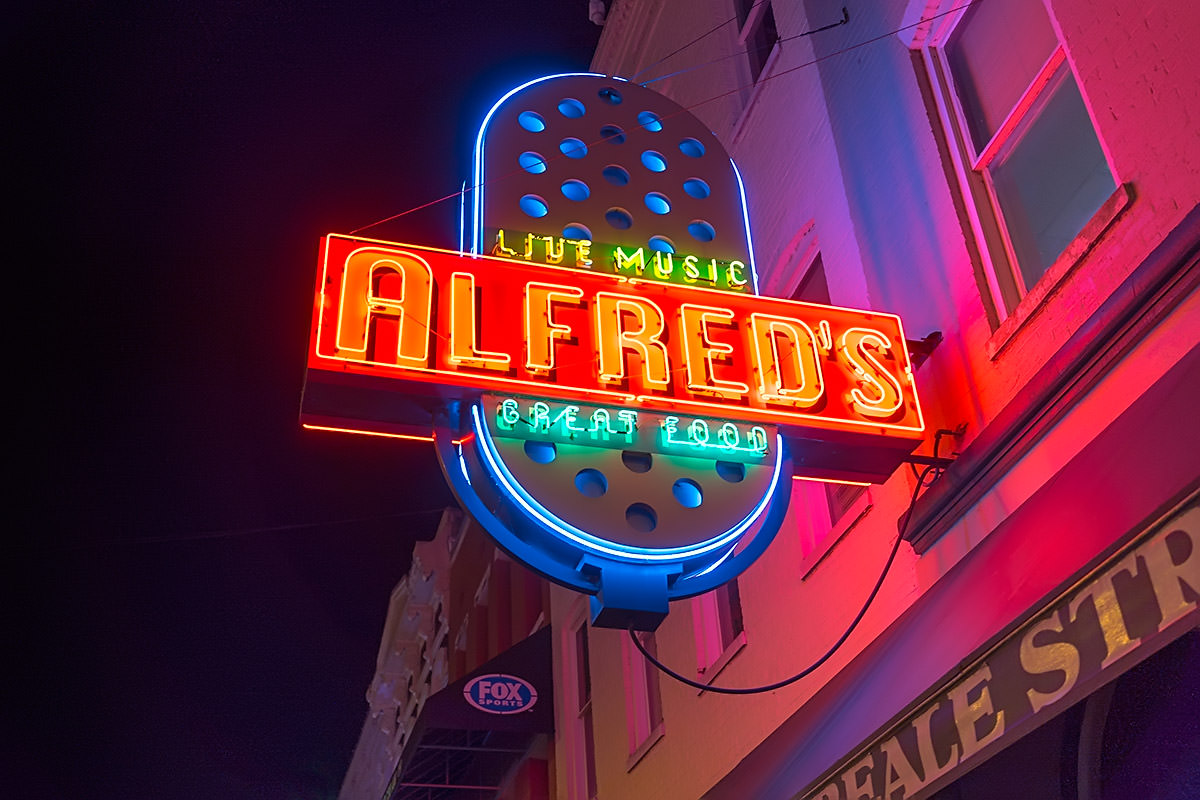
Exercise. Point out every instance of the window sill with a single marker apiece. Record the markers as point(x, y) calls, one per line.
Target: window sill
point(1064, 265)
point(647, 744)
point(1156, 286)
point(849, 521)
point(709, 674)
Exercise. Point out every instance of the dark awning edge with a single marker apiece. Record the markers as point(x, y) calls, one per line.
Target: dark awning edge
point(455, 746)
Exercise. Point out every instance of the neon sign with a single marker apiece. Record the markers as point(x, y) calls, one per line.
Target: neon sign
point(436, 322)
point(628, 429)
point(594, 425)
point(729, 440)
point(620, 411)
point(633, 262)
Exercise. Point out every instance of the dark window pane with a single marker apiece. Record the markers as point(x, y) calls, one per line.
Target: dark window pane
point(994, 55)
point(841, 497)
point(584, 675)
point(1051, 178)
point(813, 287)
point(729, 612)
point(653, 693)
point(742, 10)
point(761, 42)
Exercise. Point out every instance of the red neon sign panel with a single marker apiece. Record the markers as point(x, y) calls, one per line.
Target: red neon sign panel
point(439, 323)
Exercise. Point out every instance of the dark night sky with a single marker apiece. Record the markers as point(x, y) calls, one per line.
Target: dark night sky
point(198, 586)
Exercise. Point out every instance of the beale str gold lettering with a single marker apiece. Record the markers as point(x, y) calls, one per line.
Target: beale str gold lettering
point(1050, 662)
point(1048, 657)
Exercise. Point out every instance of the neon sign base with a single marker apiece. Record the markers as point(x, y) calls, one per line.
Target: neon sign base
point(629, 585)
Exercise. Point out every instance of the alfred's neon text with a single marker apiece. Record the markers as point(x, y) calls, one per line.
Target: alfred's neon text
point(445, 320)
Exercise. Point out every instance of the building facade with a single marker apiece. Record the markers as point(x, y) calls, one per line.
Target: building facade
point(1016, 614)
point(1018, 180)
point(463, 611)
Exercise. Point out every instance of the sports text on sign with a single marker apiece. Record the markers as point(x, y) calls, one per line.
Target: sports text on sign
point(500, 694)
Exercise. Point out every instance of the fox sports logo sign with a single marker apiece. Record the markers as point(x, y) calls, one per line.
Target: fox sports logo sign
point(500, 694)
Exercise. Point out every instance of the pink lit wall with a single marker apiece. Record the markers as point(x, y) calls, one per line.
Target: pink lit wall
point(841, 158)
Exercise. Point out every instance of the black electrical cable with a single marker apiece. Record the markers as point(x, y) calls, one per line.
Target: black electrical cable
point(691, 107)
point(828, 653)
point(846, 19)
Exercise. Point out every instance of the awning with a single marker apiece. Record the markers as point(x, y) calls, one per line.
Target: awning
point(1141, 465)
point(471, 733)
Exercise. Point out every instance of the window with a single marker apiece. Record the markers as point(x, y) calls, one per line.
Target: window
point(756, 32)
point(1027, 154)
point(720, 633)
point(583, 710)
point(814, 288)
point(729, 612)
point(841, 497)
point(643, 700)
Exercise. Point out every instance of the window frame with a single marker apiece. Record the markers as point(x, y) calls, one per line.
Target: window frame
point(824, 532)
point(748, 28)
point(644, 716)
point(842, 497)
point(580, 702)
point(1011, 299)
point(715, 649)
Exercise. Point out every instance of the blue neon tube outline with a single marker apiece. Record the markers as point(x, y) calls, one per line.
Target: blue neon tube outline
point(746, 221)
point(462, 464)
point(500, 471)
point(477, 200)
point(564, 529)
point(713, 565)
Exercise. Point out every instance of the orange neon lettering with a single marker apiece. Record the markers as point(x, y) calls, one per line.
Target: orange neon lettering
point(627, 322)
point(366, 280)
point(878, 394)
point(700, 351)
point(540, 329)
point(790, 375)
point(464, 344)
point(825, 334)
